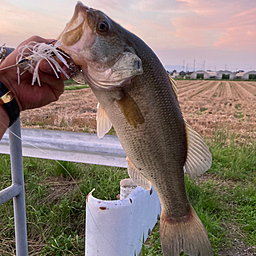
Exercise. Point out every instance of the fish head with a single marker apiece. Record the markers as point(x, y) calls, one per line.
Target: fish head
point(99, 46)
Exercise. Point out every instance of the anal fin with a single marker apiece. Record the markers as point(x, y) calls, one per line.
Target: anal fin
point(137, 177)
point(103, 122)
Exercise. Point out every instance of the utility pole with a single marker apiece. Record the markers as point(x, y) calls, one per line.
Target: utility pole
point(183, 65)
point(194, 65)
point(203, 66)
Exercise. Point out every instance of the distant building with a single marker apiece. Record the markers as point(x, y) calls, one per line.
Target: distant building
point(174, 73)
point(225, 74)
point(249, 75)
point(182, 73)
point(201, 74)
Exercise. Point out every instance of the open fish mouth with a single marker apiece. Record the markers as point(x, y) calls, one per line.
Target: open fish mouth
point(74, 29)
point(78, 35)
point(91, 40)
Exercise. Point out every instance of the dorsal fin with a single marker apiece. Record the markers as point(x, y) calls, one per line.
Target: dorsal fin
point(137, 176)
point(173, 82)
point(199, 158)
point(103, 122)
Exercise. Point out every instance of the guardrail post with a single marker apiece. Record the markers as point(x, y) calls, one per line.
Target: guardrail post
point(18, 201)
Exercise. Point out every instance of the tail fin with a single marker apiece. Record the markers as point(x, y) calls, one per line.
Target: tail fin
point(185, 234)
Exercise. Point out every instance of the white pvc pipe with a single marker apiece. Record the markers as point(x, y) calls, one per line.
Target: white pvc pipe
point(118, 227)
point(126, 188)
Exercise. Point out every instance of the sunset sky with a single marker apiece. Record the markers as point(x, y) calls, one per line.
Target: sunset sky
point(220, 32)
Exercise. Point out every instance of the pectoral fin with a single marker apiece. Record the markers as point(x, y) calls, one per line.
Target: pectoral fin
point(130, 110)
point(103, 122)
point(137, 177)
point(199, 158)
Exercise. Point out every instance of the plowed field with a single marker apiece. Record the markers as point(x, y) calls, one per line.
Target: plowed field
point(206, 105)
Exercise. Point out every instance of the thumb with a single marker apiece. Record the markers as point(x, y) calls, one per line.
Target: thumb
point(45, 67)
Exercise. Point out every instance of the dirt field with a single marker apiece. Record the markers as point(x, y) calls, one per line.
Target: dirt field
point(206, 105)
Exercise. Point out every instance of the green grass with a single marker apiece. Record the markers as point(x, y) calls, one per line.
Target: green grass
point(72, 85)
point(76, 87)
point(55, 203)
point(224, 198)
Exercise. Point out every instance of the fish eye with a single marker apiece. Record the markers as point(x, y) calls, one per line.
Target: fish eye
point(102, 27)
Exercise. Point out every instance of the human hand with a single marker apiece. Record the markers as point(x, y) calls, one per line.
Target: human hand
point(26, 95)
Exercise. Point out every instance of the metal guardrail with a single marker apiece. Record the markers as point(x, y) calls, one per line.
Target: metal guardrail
point(69, 146)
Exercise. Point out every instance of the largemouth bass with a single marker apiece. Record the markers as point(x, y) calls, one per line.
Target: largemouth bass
point(137, 97)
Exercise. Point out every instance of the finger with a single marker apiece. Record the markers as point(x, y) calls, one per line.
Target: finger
point(62, 76)
point(56, 84)
point(11, 58)
point(36, 39)
point(45, 67)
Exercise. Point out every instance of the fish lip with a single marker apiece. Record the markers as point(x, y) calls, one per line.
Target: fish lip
point(80, 7)
point(87, 11)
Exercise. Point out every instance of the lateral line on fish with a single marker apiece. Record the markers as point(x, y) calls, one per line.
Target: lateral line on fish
point(43, 151)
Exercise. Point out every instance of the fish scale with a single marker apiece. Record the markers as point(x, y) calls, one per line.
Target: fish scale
point(158, 150)
point(137, 97)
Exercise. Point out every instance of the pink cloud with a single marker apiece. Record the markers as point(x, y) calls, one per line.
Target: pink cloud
point(126, 25)
point(18, 24)
point(163, 6)
point(239, 31)
point(193, 30)
point(217, 24)
point(165, 25)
